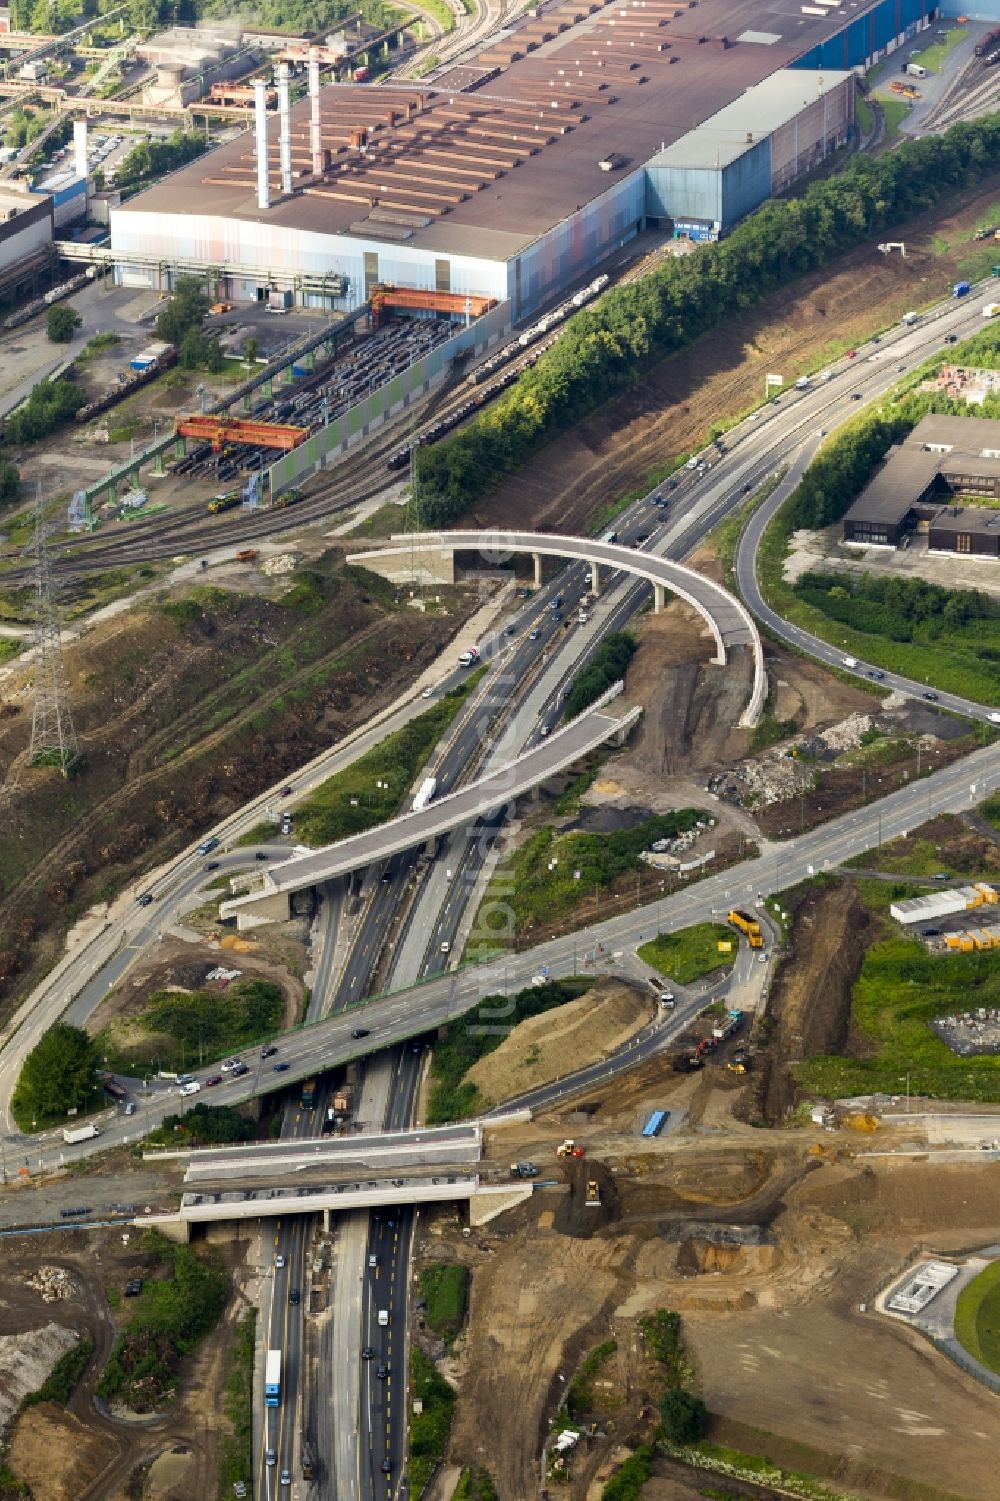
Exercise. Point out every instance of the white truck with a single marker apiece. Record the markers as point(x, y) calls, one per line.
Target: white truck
point(991, 310)
point(79, 1133)
point(425, 793)
point(910, 318)
point(469, 658)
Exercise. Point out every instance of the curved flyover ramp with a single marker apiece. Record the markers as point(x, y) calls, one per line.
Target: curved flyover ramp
point(269, 902)
point(728, 619)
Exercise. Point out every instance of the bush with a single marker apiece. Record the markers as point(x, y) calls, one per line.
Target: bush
point(606, 348)
point(152, 158)
point(10, 480)
point(683, 1416)
point(50, 403)
point(58, 1075)
point(61, 1381)
point(205, 1125)
point(62, 322)
point(201, 1024)
point(169, 1317)
point(579, 1393)
point(428, 1429)
point(475, 1485)
point(445, 1287)
point(628, 1480)
point(606, 667)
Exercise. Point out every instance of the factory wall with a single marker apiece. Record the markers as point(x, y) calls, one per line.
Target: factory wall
point(868, 38)
point(27, 233)
point(571, 248)
point(722, 196)
point(978, 10)
point(816, 131)
point(279, 253)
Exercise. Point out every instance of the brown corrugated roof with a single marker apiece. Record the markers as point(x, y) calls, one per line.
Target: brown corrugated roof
point(626, 80)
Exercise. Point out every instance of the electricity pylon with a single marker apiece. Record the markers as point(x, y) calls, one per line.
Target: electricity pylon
point(53, 737)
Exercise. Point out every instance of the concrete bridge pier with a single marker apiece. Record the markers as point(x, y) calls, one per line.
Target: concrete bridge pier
point(326, 1220)
point(595, 579)
point(536, 558)
point(659, 599)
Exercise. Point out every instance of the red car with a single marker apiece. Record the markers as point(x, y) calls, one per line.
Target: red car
point(215, 1079)
point(285, 792)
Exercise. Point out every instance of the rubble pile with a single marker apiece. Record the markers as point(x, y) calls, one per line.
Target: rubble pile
point(52, 1283)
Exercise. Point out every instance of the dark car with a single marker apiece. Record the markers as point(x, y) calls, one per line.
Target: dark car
point(876, 674)
point(240, 1070)
point(294, 1296)
point(280, 1068)
point(285, 792)
point(857, 395)
point(268, 1051)
point(951, 338)
point(367, 1353)
point(145, 899)
point(511, 630)
point(212, 865)
point(213, 1080)
point(383, 1373)
point(930, 932)
point(534, 635)
point(931, 697)
point(133, 1287)
point(671, 484)
point(260, 854)
point(360, 1032)
point(387, 1466)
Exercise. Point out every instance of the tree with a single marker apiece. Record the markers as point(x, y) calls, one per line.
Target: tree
point(186, 310)
point(684, 1416)
point(62, 323)
point(199, 351)
point(10, 480)
point(58, 1075)
point(250, 351)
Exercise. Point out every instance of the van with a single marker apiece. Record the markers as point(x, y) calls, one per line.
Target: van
point(848, 661)
point(383, 1318)
point(187, 1089)
point(130, 1108)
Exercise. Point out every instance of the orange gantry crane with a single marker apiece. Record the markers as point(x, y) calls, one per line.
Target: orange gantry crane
point(384, 297)
point(222, 430)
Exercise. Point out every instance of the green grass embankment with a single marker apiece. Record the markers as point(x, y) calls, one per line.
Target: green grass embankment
point(691, 953)
point(977, 1317)
point(445, 1289)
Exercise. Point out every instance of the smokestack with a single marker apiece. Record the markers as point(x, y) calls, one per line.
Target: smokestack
point(80, 147)
point(284, 128)
point(260, 126)
point(315, 145)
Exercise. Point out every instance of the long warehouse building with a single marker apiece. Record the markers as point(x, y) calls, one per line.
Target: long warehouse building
point(518, 170)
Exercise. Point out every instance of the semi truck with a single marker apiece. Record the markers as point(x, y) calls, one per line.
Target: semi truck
point(747, 924)
point(309, 1095)
point(727, 1026)
point(272, 1379)
point(991, 310)
point(79, 1133)
point(469, 658)
point(425, 793)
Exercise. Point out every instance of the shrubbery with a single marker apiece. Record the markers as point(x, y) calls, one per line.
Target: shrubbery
point(445, 1288)
point(152, 158)
point(606, 667)
point(429, 1428)
point(170, 1316)
point(58, 1075)
point(50, 403)
point(607, 347)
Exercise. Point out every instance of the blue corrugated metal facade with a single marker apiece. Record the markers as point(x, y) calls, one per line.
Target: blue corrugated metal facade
point(861, 42)
point(722, 195)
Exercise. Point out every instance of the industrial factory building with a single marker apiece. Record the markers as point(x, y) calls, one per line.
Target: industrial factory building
point(514, 173)
point(943, 456)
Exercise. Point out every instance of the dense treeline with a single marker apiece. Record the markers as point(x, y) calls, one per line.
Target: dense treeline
point(608, 665)
point(606, 347)
point(903, 609)
point(151, 158)
point(50, 403)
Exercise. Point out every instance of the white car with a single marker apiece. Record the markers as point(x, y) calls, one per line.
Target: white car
point(279, 1263)
point(229, 1065)
point(993, 718)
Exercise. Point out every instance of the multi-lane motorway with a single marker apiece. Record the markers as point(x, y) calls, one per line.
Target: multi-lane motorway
point(782, 435)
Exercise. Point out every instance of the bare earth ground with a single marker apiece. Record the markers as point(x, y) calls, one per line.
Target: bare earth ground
point(672, 409)
point(560, 1042)
point(78, 1454)
point(766, 1243)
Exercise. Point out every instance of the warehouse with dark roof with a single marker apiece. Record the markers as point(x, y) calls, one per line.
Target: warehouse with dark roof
point(512, 175)
point(942, 457)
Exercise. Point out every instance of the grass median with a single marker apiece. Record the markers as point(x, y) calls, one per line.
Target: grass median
point(977, 1317)
point(691, 953)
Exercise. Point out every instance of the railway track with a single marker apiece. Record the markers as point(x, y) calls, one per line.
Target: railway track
point(974, 91)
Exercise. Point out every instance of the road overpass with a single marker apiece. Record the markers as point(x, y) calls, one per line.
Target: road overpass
point(485, 1200)
point(382, 1151)
point(269, 902)
point(728, 619)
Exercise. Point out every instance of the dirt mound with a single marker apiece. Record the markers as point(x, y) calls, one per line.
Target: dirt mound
point(810, 1005)
point(607, 820)
point(560, 1042)
point(57, 1454)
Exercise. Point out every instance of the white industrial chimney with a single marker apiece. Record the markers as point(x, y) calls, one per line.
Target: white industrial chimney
point(285, 128)
point(315, 134)
point(80, 147)
point(260, 127)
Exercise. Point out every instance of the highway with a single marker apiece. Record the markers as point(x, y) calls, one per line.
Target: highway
point(753, 452)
